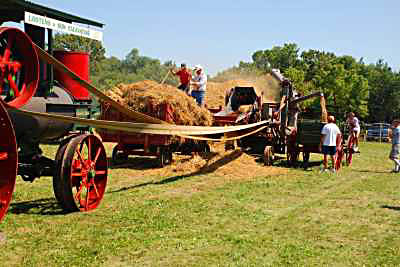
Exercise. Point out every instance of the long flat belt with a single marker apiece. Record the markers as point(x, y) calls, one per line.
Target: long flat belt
point(142, 123)
point(191, 132)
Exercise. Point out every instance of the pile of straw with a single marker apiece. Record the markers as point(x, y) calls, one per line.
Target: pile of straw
point(140, 96)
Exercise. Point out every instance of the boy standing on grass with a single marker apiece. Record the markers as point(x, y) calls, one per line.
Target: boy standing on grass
point(394, 153)
point(329, 134)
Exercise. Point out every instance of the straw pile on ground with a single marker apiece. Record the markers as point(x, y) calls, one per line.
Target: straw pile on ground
point(141, 95)
point(267, 84)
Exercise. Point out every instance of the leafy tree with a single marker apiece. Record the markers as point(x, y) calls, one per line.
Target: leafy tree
point(77, 43)
point(278, 57)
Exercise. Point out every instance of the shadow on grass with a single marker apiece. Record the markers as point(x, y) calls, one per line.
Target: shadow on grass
point(44, 206)
point(207, 168)
point(369, 171)
point(390, 207)
point(150, 162)
point(136, 163)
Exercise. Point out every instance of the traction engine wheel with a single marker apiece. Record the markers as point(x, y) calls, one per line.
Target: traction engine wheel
point(19, 67)
point(8, 160)
point(81, 173)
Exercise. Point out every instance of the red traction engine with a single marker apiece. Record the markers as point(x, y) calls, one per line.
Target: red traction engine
point(79, 169)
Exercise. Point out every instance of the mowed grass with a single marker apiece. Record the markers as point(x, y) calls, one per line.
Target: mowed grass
point(304, 218)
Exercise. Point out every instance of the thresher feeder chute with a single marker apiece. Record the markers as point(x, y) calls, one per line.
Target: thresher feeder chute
point(80, 168)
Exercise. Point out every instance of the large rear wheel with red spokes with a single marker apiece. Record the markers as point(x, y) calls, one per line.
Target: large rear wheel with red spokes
point(81, 173)
point(8, 160)
point(19, 67)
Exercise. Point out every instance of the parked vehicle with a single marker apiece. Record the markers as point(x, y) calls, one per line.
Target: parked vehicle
point(378, 132)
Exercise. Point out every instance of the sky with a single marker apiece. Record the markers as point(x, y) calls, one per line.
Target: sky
point(220, 33)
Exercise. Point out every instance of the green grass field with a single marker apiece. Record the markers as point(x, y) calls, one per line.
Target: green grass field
point(304, 218)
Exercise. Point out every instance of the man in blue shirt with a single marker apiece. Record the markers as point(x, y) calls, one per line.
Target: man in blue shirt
point(394, 153)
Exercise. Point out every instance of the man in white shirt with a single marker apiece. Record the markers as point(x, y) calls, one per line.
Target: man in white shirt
point(199, 82)
point(329, 135)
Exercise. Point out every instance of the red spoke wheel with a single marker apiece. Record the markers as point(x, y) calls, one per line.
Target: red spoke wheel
point(339, 153)
point(8, 160)
point(81, 173)
point(19, 67)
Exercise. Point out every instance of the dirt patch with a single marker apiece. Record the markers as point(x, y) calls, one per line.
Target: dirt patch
point(149, 97)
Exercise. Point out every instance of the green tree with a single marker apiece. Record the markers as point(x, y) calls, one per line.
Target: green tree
point(71, 42)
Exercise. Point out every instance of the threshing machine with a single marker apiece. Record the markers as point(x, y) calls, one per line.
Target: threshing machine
point(287, 133)
point(79, 169)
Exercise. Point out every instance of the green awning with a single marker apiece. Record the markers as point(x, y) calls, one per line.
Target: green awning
point(13, 10)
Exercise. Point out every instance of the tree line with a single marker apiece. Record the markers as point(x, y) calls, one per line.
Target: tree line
point(372, 91)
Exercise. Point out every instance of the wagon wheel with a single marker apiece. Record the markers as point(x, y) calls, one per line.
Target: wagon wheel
point(165, 156)
point(306, 159)
point(81, 173)
point(293, 157)
point(339, 158)
point(8, 160)
point(19, 67)
point(268, 156)
point(339, 153)
point(349, 151)
point(118, 157)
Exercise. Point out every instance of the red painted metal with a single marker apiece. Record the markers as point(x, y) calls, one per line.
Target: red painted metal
point(82, 173)
point(19, 67)
point(8, 160)
point(126, 140)
point(78, 62)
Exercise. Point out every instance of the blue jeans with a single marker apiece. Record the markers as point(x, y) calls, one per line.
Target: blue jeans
point(199, 96)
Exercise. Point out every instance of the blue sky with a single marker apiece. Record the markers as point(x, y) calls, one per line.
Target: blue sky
point(218, 34)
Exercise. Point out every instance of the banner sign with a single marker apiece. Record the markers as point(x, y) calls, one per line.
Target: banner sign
point(61, 26)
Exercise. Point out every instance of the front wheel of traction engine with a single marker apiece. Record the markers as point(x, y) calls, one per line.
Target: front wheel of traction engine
point(80, 177)
point(8, 160)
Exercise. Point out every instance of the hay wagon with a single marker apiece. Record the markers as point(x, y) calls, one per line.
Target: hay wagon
point(160, 146)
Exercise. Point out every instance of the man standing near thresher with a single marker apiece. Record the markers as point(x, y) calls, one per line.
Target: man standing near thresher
point(199, 83)
point(329, 135)
point(184, 76)
point(394, 153)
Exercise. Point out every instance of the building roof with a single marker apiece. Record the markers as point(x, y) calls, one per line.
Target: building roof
point(13, 10)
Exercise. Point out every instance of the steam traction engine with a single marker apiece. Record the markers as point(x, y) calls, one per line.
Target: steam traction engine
point(79, 169)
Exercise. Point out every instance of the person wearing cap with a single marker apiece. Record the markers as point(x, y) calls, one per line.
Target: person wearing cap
point(184, 76)
point(394, 152)
point(353, 125)
point(199, 83)
point(329, 134)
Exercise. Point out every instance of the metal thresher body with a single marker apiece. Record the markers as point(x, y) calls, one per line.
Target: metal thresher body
point(287, 133)
point(80, 166)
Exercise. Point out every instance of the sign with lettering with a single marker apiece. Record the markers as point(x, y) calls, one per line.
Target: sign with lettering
point(61, 26)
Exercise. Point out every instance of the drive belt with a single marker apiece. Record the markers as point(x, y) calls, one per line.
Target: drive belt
point(191, 132)
point(142, 123)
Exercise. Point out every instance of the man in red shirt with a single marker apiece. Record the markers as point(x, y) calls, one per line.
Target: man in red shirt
point(185, 76)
